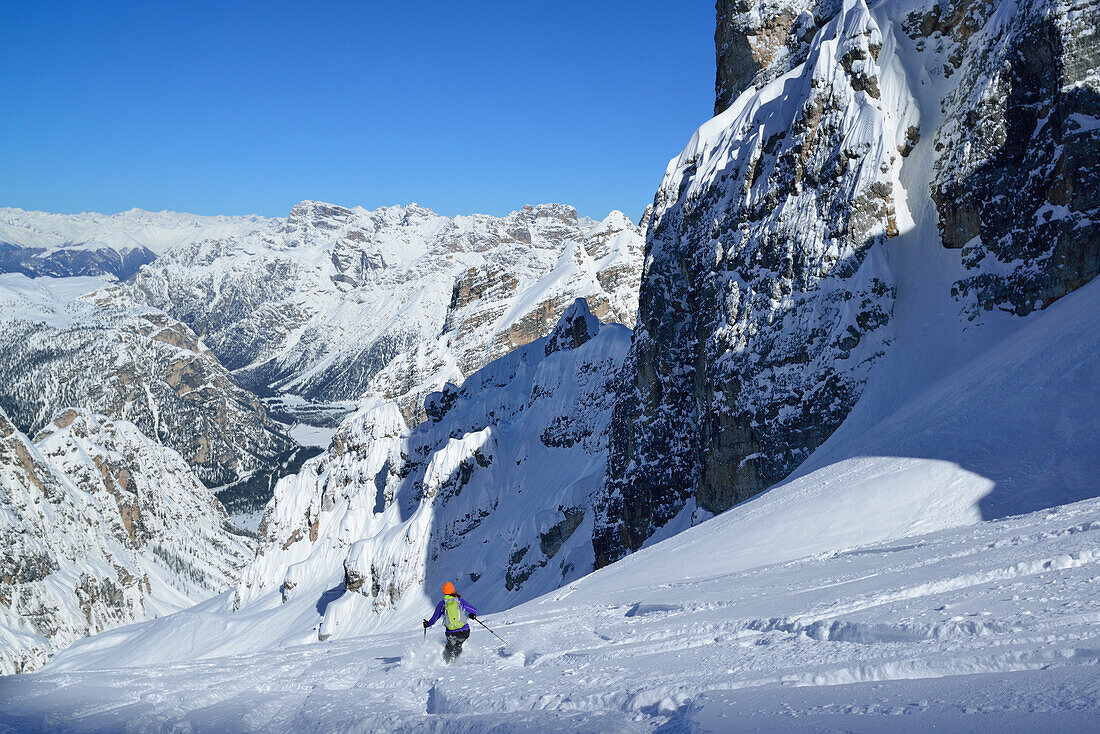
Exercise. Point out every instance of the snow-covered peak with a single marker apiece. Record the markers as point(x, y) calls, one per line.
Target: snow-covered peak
point(105, 245)
point(575, 327)
point(374, 420)
point(342, 304)
point(615, 221)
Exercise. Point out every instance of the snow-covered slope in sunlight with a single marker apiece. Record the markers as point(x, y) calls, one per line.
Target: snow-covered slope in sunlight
point(865, 587)
point(100, 526)
point(989, 628)
point(888, 391)
point(1009, 432)
point(393, 302)
point(91, 244)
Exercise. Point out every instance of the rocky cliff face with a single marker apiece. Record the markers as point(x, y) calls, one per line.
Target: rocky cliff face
point(393, 303)
point(102, 351)
point(1017, 168)
point(754, 41)
point(101, 526)
point(766, 297)
point(494, 491)
point(764, 302)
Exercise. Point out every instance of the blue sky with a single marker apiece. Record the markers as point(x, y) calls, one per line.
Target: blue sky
point(238, 107)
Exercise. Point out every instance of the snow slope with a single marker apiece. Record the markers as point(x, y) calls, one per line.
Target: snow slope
point(985, 628)
point(1009, 432)
point(493, 490)
point(866, 594)
point(889, 585)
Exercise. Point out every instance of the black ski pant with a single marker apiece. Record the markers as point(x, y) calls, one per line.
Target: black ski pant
point(454, 644)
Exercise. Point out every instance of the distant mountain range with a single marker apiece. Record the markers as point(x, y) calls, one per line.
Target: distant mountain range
point(103, 245)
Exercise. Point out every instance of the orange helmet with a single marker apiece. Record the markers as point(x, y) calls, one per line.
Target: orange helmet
point(449, 589)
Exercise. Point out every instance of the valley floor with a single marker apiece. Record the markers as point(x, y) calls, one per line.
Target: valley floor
point(990, 627)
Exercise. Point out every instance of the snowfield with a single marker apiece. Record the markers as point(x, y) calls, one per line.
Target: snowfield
point(919, 572)
point(986, 628)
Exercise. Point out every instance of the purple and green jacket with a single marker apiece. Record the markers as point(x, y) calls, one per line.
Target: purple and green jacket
point(453, 615)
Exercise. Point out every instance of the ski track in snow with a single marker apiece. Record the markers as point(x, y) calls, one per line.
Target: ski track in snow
point(986, 628)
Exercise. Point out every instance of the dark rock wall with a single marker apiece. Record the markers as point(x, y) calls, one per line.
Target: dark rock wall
point(762, 304)
point(1017, 183)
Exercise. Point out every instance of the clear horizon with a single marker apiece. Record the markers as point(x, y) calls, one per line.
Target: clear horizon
point(249, 109)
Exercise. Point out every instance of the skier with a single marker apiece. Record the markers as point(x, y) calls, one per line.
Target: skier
point(458, 629)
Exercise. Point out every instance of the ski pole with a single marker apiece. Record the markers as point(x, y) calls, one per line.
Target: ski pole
point(494, 634)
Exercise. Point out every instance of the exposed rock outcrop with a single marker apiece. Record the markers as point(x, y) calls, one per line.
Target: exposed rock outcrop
point(576, 326)
point(1017, 182)
point(763, 303)
point(755, 41)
